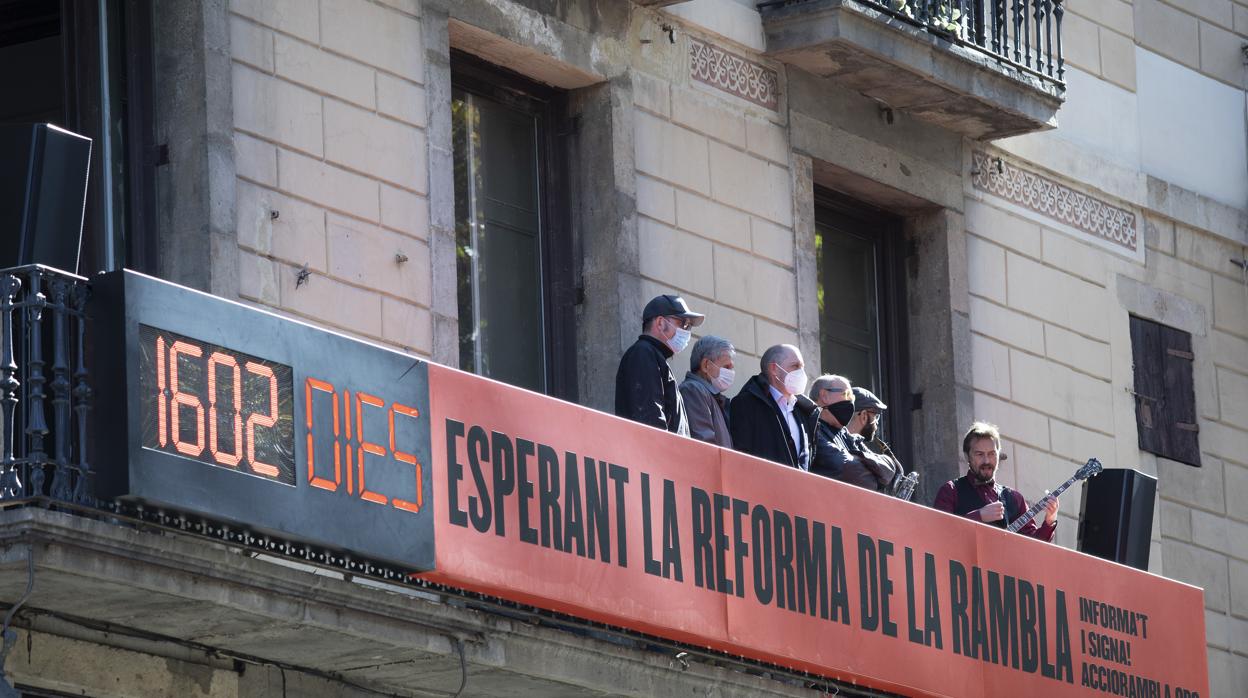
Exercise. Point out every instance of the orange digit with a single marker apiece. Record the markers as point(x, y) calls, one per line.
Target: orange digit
point(162, 400)
point(268, 420)
point(230, 459)
point(185, 399)
point(406, 458)
point(365, 446)
point(346, 407)
point(323, 483)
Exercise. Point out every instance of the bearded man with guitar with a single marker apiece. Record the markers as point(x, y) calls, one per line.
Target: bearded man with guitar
point(979, 497)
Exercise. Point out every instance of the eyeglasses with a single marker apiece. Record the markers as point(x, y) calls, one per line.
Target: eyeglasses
point(683, 323)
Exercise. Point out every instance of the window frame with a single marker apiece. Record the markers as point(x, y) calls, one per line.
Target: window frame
point(1167, 363)
point(892, 252)
point(549, 106)
point(81, 112)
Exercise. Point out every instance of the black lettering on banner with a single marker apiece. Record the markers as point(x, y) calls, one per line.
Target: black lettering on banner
point(722, 584)
point(454, 473)
point(812, 568)
point(647, 529)
point(979, 620)
point(549, 517)
point(868, 584)
point(573, 521)
point(886, 590)
point(912, 622)
point(597, 524)
point(1046, 669)
point(782, 529)
point(961, 626)
point(1028, 642)
point(1061, 629)
point(760, 526)
point(619, 476)
point(671, 534)
point(525, 449)
point(479, 506)
point(1003, 620)
point(740, 548)
point(504, 458)
point(703, 556)
point(840, 587)
point(931, 603)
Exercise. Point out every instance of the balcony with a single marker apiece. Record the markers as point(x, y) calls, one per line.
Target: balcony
point(172, 473)
point(985, 68)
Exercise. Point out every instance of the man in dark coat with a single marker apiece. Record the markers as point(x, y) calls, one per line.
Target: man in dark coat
point(645, 388)
point(771, 418)
point(842, 455)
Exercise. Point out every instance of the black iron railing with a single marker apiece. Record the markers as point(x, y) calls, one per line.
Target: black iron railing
point(45, 393)
point(1026, 34)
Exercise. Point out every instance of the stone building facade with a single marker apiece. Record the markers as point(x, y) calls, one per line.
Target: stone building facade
point(311, 170)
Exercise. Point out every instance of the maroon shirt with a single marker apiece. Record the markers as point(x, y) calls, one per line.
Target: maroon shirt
point(947, 500)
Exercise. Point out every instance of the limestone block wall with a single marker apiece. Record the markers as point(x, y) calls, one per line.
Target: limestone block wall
point(1153, 123)
point(1052, 358)
point(330, 153)
point(715, 211)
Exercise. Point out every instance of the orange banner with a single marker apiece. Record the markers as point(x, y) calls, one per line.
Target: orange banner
point(550, 504)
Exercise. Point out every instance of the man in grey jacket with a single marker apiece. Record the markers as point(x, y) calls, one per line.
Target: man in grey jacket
point(710, 374)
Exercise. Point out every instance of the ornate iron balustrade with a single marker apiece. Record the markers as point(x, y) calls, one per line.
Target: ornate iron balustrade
point(44, 389)
point(1026, 34)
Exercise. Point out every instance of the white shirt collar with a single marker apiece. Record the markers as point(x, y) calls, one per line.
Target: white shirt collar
point(786, 404)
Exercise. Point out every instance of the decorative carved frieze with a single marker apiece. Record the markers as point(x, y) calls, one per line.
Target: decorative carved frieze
point(1054, 200)
point(734, 74)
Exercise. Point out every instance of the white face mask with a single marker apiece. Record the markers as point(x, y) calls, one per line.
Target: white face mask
point(679, 341)
point(794, 381)
point(724, 380)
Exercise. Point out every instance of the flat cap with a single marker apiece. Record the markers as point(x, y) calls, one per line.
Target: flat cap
point(866, 400)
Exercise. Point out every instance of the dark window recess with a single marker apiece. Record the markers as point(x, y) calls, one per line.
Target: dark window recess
point(1165, 403)
point(513, 249)
point(86, 67)
point(859, 253)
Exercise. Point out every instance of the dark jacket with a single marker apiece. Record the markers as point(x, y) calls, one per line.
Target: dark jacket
point(831, 453)
point(844, 456)
point(759, 428)
point(646, 390)
point(707, 411)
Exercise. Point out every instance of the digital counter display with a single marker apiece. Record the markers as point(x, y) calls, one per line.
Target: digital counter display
point(242, 416)
point(217, 406)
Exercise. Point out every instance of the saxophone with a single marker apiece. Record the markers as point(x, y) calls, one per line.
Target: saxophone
point(903, 487)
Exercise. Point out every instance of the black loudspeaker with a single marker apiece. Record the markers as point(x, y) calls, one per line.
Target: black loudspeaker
point(43, 192)
point(1116, 516)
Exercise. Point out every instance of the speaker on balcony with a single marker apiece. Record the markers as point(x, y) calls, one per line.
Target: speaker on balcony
point(43, 191)
point(1116, 516)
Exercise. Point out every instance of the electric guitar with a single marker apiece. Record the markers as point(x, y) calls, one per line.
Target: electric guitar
point(1087, 470)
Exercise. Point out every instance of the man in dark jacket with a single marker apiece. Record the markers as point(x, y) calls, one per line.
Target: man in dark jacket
point(842, 455)
point(771, 418)
point(645, 388)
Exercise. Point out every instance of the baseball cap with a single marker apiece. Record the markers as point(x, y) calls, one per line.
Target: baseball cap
point(669, 305)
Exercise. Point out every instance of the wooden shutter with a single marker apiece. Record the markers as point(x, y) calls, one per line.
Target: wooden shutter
point(1165, 401)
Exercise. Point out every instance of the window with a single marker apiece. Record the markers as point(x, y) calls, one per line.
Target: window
point(512, 251)
point(85, 66)
point(1165, 402)
point(862, 330)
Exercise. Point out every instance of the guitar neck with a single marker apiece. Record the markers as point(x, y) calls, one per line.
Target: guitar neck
point(1039, 506)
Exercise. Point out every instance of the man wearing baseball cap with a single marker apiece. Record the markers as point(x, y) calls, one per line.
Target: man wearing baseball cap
point(865, 424)
point(646, 390)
